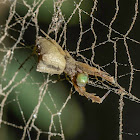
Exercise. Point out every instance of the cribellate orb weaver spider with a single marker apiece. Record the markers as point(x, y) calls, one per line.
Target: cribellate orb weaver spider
point(53, 59)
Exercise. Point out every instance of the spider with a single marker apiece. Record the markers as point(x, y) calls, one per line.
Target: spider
point(54, 60)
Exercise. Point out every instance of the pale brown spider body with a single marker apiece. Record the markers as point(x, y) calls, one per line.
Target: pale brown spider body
point(54, 60)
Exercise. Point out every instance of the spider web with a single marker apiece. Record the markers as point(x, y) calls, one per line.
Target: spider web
point(103, 34)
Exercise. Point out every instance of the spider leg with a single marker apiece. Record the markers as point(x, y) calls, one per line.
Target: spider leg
point(95, 72)
point(93, 97)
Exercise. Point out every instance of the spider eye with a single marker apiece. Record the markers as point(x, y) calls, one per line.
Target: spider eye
point(36, 50)
point(82, 79)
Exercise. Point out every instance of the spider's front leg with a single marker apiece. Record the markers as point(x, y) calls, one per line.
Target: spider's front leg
point(95, 72)
point(92, 96)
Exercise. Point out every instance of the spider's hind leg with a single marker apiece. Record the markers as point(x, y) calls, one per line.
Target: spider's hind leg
point(92, 96)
